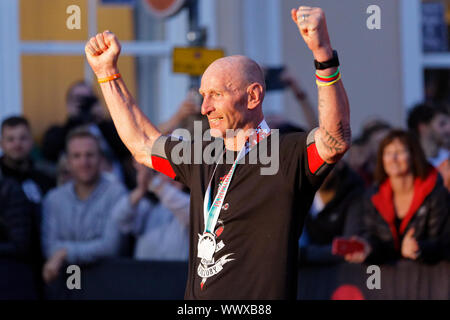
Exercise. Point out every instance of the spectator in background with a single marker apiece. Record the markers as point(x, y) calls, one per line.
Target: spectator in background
point(76, 216)
point(187, 113)
point(327, 217)
point(356, 158)
point(302, 98)
point(62, 171)
point(16, 272)
point(285, 80)
point(445, 240)
point(443, 122)
point(161, 226)
point(362, 156)
point(404, 215)
point(84, 109)
point(16, 163)
point(277, 121)
point(432, 127)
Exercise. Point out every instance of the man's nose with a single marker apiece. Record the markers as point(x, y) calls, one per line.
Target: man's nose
point(206, 107)
point(84, 161)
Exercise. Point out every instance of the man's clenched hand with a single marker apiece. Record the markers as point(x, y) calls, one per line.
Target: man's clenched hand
point(312, 25)
point(102, 53)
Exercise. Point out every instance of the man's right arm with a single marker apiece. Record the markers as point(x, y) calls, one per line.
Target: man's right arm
point(134, 128)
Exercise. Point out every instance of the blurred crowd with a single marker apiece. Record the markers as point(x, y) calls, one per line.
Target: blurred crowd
point(79, 196)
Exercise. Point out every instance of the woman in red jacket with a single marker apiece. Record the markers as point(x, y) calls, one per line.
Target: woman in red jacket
point(403, 216)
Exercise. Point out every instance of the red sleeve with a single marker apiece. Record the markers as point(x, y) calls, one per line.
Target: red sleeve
point(315, 162)
point(160, 161)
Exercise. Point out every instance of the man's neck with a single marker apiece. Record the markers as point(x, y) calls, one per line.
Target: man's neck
point(236, 142)
point(84, 190)
point(402, 184)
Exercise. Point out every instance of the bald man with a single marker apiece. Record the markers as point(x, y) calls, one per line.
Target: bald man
point(244, 224)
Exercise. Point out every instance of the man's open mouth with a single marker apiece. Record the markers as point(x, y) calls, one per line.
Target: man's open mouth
point(215, 120)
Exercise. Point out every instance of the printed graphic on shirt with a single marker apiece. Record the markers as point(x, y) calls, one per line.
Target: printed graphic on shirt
point(215, 275)
point(221, 180)
point(32, 191)
point(210, 267)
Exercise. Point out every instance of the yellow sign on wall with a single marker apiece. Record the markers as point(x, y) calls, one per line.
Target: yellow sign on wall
point(194, 60)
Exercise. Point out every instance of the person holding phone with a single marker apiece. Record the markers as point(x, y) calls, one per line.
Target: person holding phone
point(326, 220)
point(281, 78)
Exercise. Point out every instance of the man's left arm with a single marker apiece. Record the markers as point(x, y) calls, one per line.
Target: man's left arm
point(333, 138)
point(92, 250)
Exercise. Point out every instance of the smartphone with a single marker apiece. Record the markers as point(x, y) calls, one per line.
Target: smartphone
point(342, 246)
point(273, 78)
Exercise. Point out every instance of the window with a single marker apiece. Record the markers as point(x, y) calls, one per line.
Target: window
point(436, 48)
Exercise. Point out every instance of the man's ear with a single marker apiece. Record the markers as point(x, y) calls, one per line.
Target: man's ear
point(255, 93)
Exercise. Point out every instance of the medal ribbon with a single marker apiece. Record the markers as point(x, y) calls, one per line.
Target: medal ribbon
point(211, 212)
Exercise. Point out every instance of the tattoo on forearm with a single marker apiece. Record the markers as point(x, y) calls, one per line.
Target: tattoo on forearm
point(336, 142)
point(336, 138)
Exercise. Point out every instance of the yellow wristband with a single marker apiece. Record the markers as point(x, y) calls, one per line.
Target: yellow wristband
point(113, 77)
point(326, 84)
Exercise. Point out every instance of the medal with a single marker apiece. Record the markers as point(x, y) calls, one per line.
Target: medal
point(206, 246)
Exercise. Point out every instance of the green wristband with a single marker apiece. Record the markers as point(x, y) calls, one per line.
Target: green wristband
point(328, 77)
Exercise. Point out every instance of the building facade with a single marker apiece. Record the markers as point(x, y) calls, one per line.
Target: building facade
point(383, 69)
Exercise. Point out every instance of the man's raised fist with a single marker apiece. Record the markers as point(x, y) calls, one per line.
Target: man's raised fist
point(102, 53)
point(312, 25)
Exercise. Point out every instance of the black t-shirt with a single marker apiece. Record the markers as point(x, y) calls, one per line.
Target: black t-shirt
point(261, 218)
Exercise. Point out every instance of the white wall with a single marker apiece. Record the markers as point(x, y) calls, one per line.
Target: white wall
point(10, 72)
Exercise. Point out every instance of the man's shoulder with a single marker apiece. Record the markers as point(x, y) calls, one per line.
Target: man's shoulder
point(59, 192)
point(2, 161)
point(292, 141)
point(442, 155)
point(112, 186)
point(7, 171)
point(288, 138)
point(293, 137)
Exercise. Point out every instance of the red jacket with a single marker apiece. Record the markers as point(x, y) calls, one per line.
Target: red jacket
point(427, 214)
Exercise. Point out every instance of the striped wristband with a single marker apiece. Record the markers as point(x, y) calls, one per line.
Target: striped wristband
point(324, 81)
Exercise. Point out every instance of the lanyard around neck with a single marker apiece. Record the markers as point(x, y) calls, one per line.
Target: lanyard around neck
point(211, 211)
